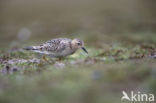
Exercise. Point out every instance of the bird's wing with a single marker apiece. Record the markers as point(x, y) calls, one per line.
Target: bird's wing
point(55, 45)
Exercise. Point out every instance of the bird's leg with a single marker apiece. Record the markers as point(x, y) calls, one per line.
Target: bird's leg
point(59, 59)
point(44, 58)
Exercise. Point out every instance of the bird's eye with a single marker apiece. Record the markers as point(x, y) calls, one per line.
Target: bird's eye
point(79, 43)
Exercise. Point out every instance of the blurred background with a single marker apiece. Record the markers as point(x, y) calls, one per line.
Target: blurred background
point(113, 31)
point(103, 21)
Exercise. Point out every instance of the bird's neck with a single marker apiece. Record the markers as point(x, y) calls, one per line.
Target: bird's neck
point(73, 47)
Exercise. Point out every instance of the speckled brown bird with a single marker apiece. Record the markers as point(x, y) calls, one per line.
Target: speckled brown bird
point(59, 47)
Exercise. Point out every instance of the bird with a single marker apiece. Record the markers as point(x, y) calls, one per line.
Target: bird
point(58, 47)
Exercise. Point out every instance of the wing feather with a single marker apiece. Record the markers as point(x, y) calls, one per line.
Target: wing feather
point(55, 45)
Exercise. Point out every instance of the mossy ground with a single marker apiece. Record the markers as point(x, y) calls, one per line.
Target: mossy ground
point(98, 77)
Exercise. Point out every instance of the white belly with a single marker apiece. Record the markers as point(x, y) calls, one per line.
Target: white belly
point(63, 53)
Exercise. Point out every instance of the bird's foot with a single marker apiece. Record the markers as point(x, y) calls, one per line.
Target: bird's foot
point(60, 59)
point(45, 59)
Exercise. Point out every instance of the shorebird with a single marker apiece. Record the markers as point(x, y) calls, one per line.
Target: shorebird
point(58, 48)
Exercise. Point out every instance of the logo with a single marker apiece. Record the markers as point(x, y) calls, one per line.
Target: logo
point(137, 97)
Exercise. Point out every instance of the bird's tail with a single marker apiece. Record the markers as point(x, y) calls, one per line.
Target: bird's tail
point(32, 48)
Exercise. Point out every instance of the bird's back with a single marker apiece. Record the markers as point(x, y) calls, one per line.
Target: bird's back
point(58, 47)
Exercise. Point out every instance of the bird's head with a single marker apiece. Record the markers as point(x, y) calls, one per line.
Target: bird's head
point(76, 43)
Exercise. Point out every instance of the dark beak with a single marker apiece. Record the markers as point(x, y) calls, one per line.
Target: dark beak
point(83, 48)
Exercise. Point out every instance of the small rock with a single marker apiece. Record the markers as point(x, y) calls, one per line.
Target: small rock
point(15, 61)
point(9, 70)
point(77, 62)
point(34, 60)
point(153, 56)
point(96, 75)
point(59, 65)
point(90, 60)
